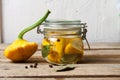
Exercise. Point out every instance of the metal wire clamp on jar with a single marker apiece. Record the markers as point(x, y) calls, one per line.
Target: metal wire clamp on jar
point(62, 43)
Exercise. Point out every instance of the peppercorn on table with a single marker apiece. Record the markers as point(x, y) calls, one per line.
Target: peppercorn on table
point(102, 62)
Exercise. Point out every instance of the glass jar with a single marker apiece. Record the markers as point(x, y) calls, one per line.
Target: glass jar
point(62, 43)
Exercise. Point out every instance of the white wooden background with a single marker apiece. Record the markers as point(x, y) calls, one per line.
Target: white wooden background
point(0, 22)
point(102, 17)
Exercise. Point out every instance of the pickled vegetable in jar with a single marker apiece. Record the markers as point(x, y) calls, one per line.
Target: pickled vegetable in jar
point(62, 43)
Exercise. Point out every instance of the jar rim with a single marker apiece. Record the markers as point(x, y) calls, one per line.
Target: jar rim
point(62, 24)
point(62, 21)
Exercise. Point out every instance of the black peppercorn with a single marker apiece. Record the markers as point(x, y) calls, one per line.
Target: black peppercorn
point(51, 66)
point(31, 66)
point(58, 40)
point(26, 67)
point(35, 66)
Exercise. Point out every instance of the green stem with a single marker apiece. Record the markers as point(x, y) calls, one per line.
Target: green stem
point(21, 34)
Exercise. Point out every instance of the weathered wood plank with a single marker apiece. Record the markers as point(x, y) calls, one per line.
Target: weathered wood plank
point(108, 78)
point(104, 46)
point(94, 46)
point(90, 57)
point(81, 70)
point(89, 67)
point(93, 53)
point(96, 64)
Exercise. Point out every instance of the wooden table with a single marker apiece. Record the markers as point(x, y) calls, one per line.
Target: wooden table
point(102, 62)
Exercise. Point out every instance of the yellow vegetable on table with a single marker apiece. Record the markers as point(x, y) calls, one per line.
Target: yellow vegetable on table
point(21, 50)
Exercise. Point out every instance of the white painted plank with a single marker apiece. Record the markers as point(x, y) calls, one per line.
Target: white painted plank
point(0, 21)
point(102, 17)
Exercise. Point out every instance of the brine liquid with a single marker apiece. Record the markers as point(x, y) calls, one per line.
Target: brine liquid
point(60, 50)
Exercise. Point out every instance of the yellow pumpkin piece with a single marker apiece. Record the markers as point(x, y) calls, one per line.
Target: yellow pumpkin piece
point(56, 50)
point(54, 57)
point(59, 45)
point(45, 42)
point(75, 46)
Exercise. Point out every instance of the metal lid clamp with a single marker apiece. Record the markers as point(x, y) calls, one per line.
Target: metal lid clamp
point(39, 31)
point(83, 33)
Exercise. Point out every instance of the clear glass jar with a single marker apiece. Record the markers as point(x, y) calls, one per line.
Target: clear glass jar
point(62, 43)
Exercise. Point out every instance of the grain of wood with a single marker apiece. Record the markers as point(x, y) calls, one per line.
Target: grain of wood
point(100, 64)
point(94, 46)
point(90, 57)
point(108, 78)
point(82, 70)
point(104, 46)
